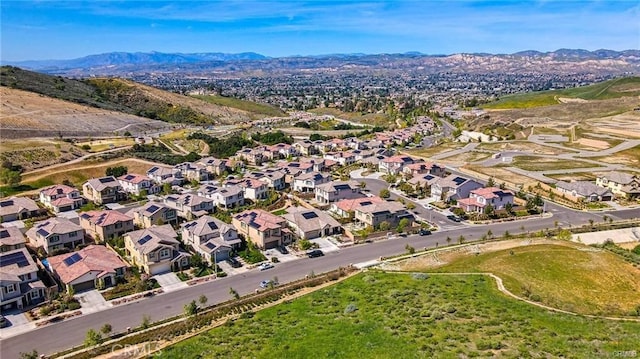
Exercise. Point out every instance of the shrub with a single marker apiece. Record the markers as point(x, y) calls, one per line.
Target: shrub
point(350, 308)
point(420, 276)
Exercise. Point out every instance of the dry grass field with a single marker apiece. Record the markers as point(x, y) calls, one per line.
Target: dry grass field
point(500, 174)
point(531, 163)
point(436, 150)
point(105, 144)
point(522, 146)
point(629, 157)
point(37, 152)
point(466, 157)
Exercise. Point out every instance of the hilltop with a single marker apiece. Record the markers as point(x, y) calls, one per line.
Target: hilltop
point(128, 97)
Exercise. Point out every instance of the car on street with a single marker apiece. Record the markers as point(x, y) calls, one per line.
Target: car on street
point(427, 206)
point(315, 253)
point(424, 232)
point(265, 266)
point(282, 249)
point(234, 263)
point(266, 283)
point(454, 218)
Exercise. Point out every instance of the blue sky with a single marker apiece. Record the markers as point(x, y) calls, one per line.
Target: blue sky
point(36, 30)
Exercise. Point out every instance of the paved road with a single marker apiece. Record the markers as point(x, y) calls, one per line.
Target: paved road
point(50, 340)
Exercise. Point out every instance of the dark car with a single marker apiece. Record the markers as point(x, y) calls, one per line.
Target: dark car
point(282, 249)
point(454, 218)
point(234, 262)
point(315, 253)
point(425, 232)
point(3, 321)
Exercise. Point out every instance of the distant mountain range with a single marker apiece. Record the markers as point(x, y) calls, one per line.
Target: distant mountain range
point(121, 63)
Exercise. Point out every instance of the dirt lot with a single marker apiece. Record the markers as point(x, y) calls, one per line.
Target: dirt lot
point(465, 157)
point(500, 175)
point(597, 144)
point(522, 146)
point(37, 153)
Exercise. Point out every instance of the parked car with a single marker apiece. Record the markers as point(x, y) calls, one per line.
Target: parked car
point(427, 206)
point(3, 321)
point(234, 262)
point(282, 249)
point(454, 218)
point(425, 232)
point(266, 283)
point(265, 266)
point(315, 253)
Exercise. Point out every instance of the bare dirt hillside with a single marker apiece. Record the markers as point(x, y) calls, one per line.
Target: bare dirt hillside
point(27, 114)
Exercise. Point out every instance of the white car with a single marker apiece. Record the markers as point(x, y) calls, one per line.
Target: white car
point(427, 206)
point(265, 266)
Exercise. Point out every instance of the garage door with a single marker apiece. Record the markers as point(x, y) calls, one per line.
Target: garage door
point(160, 268)
point(83, 286)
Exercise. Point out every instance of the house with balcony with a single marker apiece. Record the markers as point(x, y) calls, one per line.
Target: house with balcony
point(621, 184)
point(156, 250)
point(18, 208)
point(212, 238)
point(94, 266)
point(20, 286)
point(103, 190)
point(11, 238)
point(307, 182)
point(61, 198)
point(263, 228)
point(480, 198)
point(311, 223)
point(138, 184)
point(190, 205)
point(336, 191)
point(56, 233)
point(372, 215)
point(106, 224)
point(153, 213)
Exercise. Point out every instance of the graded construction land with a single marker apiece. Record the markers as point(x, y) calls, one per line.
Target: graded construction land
point(564, 275)
point(401, 315)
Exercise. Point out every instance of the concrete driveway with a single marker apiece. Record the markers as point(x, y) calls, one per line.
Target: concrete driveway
point(170, 281)
point(18, 323)
point(92, 301)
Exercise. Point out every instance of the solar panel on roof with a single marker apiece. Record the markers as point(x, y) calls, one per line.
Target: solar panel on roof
point(212, 225)
point(6, 203)
point(210, 245)
point(153, 208)
point(309, 215)
point(129, 177)
point(85, 216)
point(42, 232)
point(366, 203)
point(72, 259)
point(340, 187)
point(459, 180)
point(14, 258)
point(144, 239)
point(106, 179)
point(4, 234)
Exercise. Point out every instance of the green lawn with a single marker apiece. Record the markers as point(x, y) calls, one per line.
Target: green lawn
point(380, 315)
point(244, 105)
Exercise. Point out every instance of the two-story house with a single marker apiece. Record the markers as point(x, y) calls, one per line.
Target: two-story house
point(189, 205)
point(107, 224)
point(335, 191)
point(419, 168)
point(153, 213)
point(214, 166)
point(343, 158)
point(56, 233)
point(480, 198)
point(94, 266)
point(225, 197)
point(453, 187)
point(212, 238)
point(274, 179)
point(11, 238)
point(264, 229)
point(18, 208)
point(311, 223)
point(346, 207)
point(253, 189)
point(372, 215)
point(138, 184)
point(156, 249)
point(192, 171)
point(19, 283)
point(621, 184)
point(307, 182)
point(162, 175)
point(394, 164)
point(103, 190)
point(61, 198)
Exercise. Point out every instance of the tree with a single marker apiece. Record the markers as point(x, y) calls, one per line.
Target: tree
point(449, 240)
point(409, 249)
point(490, 234)
point(234, 293)
point(402, 225)
point(9, 177)
point(384, 193)
point(411, 206)
point(591, 222)
point(116, 171)
point(191, 308)
point(564, 235)
point(503, 186)
point(106, 329)
point(127, 134)
point(488, 210)
point(166, 188)
point(146, 321)
point(203, 300)
point(30, 355)
point(92, 338)
point(197, 261)
point(461, 239)
point(491, 182)
point(362, 185)
point(508, 207)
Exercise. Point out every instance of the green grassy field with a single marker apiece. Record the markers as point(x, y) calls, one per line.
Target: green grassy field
point(248, 106)
point(628, 86)
point(569, 276)
point(380, 315)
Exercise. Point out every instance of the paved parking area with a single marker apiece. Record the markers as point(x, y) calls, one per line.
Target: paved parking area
point(92, 301)
point(170, 281)
point(233, 271)
point(325, 244)
point(281, 257)
point(18, 323)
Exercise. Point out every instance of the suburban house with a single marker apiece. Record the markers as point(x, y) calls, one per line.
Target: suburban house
point(61, 198)
point(253, 189)
point(19, 283)
point(588, 191)
point(453, 187)
point(305, 148)
point(311, 223)
point(307, 182)
point(346, 207)
point(271, 177)
point(214, 165)
point(164, 175)
point(282, 150)
point(17, 208)
point(225, 197)
point(103, 190)
point(374, 214)
point(394, 164)
point(56, 233)
point(620, 183)
point(253, 156)
point(192, 172)
point(335, 191)
point(419, 168)
point(94, 266)
point(107, 224)
point(212, 238)
point(11, 238)
point(156, 249)
point(138, 184)
point(189, 205)
point(480, 198)
point(153, 213)
point(343, 158)
point(424, 181)
point(264, 229)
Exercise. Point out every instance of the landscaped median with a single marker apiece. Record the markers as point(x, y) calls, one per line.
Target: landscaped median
point(178, 328)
